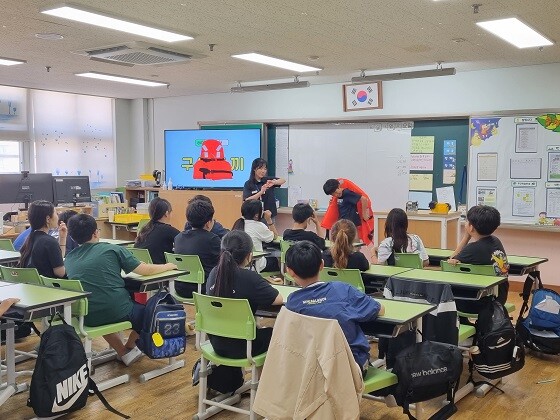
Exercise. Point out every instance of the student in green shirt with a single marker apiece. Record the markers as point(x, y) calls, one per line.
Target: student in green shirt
point(98, 266)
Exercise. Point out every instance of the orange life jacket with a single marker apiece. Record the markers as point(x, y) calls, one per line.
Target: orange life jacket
point(212, 163)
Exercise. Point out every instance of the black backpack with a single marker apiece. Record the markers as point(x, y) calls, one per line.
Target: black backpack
point(61, 382)
point(501, 349)
point(163, 332)
point(427, 370)
point(540, 328)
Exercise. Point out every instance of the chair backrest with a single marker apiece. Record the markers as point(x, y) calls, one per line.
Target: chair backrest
point(486, 270)
point(284, 246)
point(224, 317)
point(408, 260)
point(141, 254)
point(79, 307)
point(352, 276)
point(21, 275)
point(6, 245)
point(189, 263)
point(141, 224)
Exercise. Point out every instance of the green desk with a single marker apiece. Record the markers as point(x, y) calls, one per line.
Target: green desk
point(464, 286)
point(7, 257)
point(122, 242)
point(285, 291)
point(128, 226)
point(259, 254)
point(518, 265)
point(35, 302)
point(276, 243)
point(376, 276)
point(5, 283)
point(154, 281)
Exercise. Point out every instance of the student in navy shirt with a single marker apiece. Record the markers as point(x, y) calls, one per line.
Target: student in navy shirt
point(217, 227)
point(333, 300)
point(303, 214)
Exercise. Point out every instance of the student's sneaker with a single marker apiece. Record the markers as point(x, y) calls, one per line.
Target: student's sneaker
point(132, 356)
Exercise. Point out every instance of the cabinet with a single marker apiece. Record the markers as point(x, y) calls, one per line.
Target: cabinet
point(134, 196)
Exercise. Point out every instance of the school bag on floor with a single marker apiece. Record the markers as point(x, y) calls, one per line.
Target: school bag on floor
point(163, 330)
point(501, 348)
point(540, 328)
point(60, 382)
point(427, 370)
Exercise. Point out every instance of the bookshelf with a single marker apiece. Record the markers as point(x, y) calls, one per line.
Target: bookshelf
point(140, 195)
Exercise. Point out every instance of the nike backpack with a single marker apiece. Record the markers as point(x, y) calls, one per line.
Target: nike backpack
point(540, 328)
point(60, 382)
point(163, 332)
point(501, 350)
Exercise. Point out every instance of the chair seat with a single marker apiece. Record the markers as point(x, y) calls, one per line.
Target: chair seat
point(465, 332)
point(378, 379)
point(510, 307)
point(101, 330)
point(208, 352)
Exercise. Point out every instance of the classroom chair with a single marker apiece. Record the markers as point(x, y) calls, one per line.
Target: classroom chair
point(21, 275)
point(231, 318)
point(6, 245)
point(141, 224)
point(408, 260)
point(195, 273)
point(284, 246)
point(79, 311)
point(142, 255)
point(352, 276)
point(485, 270)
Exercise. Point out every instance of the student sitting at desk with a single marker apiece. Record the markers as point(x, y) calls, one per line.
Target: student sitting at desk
point(217, 227)
point(198, 241)
point(342, 253)
point(398, 240)
point(6, 303)
point(485, 248)
point(303, 214)
point(62, 218)
point(335, 300)
point(41, 250)
point(252, 213)
point(98, 266)
point(157, 236)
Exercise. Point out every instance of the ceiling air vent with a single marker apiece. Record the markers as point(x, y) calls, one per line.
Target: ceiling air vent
point(136, 54)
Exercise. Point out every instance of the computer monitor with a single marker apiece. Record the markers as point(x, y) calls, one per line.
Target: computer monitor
point(71, 189)
point(25, 188)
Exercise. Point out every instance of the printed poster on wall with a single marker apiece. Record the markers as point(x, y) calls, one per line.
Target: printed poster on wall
point(523, 202)
point(525, 168)
point(421, 182)
point(422, 144)
point(553, 166)
point(553, 202)
point(422, 162)
point(526, 140)
point(487, 167)
point(449, 161)
point(486, 196)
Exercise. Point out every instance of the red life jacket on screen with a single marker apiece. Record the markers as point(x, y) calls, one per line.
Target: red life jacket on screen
point(212, 163)
point(365, 230)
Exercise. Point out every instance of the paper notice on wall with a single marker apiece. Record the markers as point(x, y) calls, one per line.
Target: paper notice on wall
point(553, 166)
point(523, 202)
point(421, 162)
point(282, 152)
point(486, 196)
point(446, 195)
point(553, 202)
point(449, 176)
point(487, 167)
point(294, 194)
point(422, 144)
point(421, 182)
point(526, 140)
point(525, 168)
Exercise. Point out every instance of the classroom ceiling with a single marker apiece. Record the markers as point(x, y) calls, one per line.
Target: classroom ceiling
point(341, 36)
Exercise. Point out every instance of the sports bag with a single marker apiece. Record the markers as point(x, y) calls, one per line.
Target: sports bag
point(60, 382)
point(427, 370)
point(540, 328)
point(501, 349)
point(163, 330)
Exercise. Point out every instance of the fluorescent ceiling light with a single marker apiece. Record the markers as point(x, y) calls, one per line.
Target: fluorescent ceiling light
point(274, 86)
point(98, 19)
point(515, 32)
point(405, 75)
point(276, 62)
point(121, 79)
point(10, 61)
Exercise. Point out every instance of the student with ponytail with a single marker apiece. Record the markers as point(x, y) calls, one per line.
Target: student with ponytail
point(40, 250)
point(157, 235)
point(398, 240)
point(230, 279)
point(342, 253)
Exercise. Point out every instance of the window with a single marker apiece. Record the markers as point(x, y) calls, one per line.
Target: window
point(10, 156)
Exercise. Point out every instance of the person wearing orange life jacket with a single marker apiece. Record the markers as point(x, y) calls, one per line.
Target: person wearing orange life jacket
point(349, 202)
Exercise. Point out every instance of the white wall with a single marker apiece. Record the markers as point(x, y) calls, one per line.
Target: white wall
point(476, 92)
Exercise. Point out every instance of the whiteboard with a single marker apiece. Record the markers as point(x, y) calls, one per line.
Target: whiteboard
point(375, 156)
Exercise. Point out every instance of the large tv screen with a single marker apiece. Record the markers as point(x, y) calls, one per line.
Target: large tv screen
point(210, 158)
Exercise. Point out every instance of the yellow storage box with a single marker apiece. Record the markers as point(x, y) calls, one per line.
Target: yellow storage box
point(130, 217)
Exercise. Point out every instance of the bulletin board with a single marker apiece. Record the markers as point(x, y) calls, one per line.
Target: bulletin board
point(515, 166)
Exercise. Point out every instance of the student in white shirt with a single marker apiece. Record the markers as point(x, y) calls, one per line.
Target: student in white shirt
point(252, 213)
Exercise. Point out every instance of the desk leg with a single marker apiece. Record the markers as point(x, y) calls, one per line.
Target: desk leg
point(375, 230)
point(11, 386)
point(443, 238)
point(114, 228)
point(419, 410)
point(68, 312)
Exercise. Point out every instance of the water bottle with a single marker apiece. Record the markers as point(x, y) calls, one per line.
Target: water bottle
point(169, 184)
